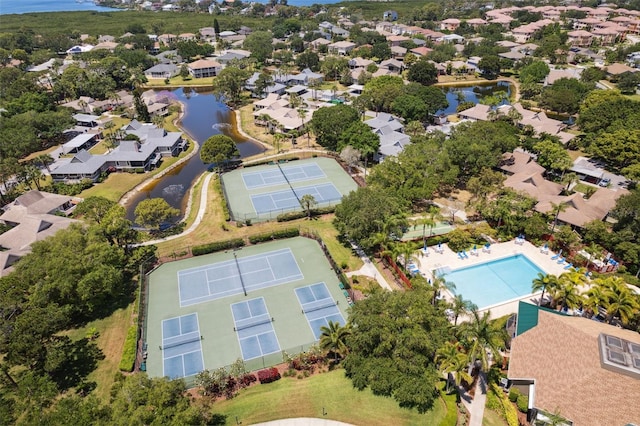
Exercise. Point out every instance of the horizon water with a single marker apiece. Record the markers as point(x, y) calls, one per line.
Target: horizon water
point(8, 7)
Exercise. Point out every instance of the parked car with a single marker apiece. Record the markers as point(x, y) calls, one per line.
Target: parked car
point(604, 182)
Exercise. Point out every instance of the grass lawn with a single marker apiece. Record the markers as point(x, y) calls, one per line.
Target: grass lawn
point(291, 397)
point(581, 187)
point(179, 81)
point(491, 418)
point(113, 331)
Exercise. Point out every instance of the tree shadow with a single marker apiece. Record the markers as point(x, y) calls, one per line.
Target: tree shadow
point(71, 361)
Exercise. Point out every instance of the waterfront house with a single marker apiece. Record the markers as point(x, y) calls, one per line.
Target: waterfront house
point(204, 68)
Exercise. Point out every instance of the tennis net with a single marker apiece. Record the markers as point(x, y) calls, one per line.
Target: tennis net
point(180, 340)
point(252, 322)
point(316, 306)
point(289, 183)
point(244, 289)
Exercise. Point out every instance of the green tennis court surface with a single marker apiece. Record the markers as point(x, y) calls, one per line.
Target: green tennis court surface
point(287, 302)
point(263, 192)
point(417, 231)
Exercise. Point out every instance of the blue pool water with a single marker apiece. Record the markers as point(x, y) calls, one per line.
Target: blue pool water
point(495, 282)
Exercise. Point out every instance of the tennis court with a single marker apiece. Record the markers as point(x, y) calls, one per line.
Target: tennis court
point(195, 320)
point(181, 347)
point(280, 176)
point(319, 307)
point(255, 331)
point(288, 199)
point(263, 192)
point(236, 276)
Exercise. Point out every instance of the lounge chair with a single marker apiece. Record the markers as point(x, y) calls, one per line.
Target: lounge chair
point(425, 251)
point(555, 256)
point(439, 248)
point(486, 248)
point(474, 251)
point(569, 265)
point(464, 253)
point(544, 249)
point(561, 260)
point(460, 255)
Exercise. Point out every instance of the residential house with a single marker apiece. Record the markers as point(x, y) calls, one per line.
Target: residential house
point(580, 38)
point(421, 51)
point(169, 57)
point(74, 50)
point(32, 217)
point(129, 155)
point(204, 68)
point(390, 15)
point(207, 33)
point(593, 380)
point(162, 71)
point(476, 23)
point(341, 47)
point(83, 141)
point(106, 45)
point(450, 24)
point(315, 44)
point(187, 37)
point(167, 39)
point(232, 54)
point(616, 69)
point(393, 65)
point(86, 120)
point(389, 130)
point(397, 40)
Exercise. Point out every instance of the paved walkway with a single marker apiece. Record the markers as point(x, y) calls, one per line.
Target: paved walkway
point(303, 421)
point(368, 269)
point(476, 407)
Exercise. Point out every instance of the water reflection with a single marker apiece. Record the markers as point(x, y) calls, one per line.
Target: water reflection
point(473, 93)
point(204, 116)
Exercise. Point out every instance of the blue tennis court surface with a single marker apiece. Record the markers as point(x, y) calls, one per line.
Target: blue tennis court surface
point(286, 199)
point(293, 173)
point(254, 328)
point(210, 282)
point(495, 282)
point(181, 347)
point(319, 307)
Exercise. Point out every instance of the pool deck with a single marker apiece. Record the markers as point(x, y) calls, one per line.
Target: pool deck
point(449, 258)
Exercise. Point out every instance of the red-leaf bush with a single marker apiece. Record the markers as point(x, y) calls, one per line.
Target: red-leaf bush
point(268, 375)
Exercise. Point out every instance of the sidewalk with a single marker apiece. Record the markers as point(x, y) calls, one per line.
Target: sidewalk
point(368, 269)
point(476, 405)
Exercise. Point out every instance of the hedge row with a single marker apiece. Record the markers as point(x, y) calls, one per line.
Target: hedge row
point(129, 350)
point(217, 246)
point(225, 207)
point(275, 235)
point(268, 375)
point(285, 217)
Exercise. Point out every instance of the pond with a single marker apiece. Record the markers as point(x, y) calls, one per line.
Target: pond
point(204, 116)
point(472, 93)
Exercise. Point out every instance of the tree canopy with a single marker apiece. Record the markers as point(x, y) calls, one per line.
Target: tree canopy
point(423, 72)
point(393, 347)
point(153, 212)
point(329, 123)
point(219, 150)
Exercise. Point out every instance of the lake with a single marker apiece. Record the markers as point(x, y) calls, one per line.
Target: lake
point(204, 116)
point(472, 93)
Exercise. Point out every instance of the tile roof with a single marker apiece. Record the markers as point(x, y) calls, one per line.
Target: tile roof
point(561, 354)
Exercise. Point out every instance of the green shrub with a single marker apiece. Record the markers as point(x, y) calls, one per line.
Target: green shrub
point(217, 246)
point(523, 403)
point(129, 350)
point(225, 208)
point(275, 235)
point(285, 217)
point(514, 394)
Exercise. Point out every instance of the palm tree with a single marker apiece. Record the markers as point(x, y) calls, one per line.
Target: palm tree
point(568, 292)
point(461, 306)
point(408, 252)
point(557, 209)
point(302, 114)
point(544, 282)
point(424, 221)
point(439, 284)
point(45, 160)
point(333, 339)
point(620, 301)
point(594, 251)
point(307, 202)
point(33, 174)
point(482, 335)
point(158, 121)
point(595, 296)
point(451, 361)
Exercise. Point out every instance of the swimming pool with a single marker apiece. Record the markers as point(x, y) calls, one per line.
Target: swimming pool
point(495, 282)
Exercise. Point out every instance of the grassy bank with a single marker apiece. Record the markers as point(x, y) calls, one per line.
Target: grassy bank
point(331, 392)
